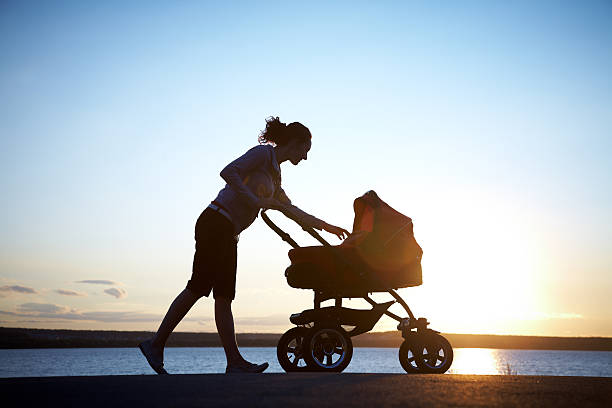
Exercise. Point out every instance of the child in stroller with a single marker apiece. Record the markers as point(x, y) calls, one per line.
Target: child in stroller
point(380, 255)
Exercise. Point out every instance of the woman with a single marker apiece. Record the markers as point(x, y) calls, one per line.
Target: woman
point(253, 182)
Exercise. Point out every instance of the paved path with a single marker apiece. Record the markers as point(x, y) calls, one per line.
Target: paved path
point(306, 390)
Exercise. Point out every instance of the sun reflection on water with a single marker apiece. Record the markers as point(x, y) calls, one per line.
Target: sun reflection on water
point(477, 361)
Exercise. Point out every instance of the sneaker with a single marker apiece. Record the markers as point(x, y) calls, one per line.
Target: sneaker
point(247, 368)
point(156, 364)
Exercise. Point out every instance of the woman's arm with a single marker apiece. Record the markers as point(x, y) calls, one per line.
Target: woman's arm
point(254, 158)
point(303, 218)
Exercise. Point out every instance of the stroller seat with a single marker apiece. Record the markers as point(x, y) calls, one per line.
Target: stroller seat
point(380, 254)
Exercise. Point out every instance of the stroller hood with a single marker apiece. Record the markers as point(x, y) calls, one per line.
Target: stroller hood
point(387, 239)
point(387, 220)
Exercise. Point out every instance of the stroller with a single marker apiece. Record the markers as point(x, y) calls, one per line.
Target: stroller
point(380, 255)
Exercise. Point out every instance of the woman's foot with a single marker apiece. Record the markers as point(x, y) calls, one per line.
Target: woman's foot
point(245, 367)
point(154, 356)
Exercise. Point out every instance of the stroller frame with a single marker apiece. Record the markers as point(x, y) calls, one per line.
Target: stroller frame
point(423, 350)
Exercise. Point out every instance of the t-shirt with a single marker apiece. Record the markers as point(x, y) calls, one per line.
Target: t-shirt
point(254, 175)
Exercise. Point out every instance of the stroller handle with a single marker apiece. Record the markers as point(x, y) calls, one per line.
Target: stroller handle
point(285, 236)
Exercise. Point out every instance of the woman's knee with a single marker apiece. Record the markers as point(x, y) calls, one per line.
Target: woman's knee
point(194, 294)
point(223, 302)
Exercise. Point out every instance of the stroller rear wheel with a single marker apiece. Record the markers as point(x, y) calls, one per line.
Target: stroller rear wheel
point(407, 355)
point(290, 350)
point(328, 348)
point(434, 354)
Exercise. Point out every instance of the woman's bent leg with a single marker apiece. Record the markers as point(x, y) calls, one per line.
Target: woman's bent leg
point(225, 326)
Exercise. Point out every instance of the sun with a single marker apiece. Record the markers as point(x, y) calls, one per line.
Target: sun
point(479, 268)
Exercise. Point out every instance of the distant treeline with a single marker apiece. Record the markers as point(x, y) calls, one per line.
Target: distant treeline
point(43, 338)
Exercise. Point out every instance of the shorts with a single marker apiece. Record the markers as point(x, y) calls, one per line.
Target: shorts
point(214, 261)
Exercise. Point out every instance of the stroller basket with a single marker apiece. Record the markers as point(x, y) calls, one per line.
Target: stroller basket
point(380, 254)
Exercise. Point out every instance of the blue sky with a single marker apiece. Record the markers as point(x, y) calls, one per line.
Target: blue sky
point(489, 123)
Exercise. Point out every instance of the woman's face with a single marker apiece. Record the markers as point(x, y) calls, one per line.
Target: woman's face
point(299, 151)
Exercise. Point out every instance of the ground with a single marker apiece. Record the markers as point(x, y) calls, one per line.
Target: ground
point(307, 390)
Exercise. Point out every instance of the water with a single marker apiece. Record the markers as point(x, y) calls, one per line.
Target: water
point(119, 361)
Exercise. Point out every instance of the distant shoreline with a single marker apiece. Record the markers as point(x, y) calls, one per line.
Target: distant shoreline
point(20, 338)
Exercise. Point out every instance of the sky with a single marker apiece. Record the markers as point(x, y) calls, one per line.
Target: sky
point(489, 123)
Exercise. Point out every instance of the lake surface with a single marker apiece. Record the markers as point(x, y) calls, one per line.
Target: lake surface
point(121, 361)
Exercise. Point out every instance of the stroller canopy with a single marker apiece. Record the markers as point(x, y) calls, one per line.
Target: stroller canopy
point(384, 236)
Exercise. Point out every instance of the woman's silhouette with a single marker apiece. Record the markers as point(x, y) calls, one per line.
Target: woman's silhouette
point(253, 182)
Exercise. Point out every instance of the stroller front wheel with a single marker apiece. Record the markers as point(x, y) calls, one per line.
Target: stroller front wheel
point(328, 348)
point(435, 354)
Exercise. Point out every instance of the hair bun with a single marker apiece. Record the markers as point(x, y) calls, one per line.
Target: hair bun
point(280, 133)
point(274, 132)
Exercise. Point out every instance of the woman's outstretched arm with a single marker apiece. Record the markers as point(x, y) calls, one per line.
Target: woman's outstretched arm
point(303, 218)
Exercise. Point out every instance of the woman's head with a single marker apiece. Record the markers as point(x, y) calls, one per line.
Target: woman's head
point(294, 139)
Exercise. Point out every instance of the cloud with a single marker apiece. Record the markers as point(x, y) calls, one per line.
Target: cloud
point(67, 292)
point(41, 312)
point(41, 308)
point(564, 316)
point(111, 317)
point(273, 320)
point(116, 292)
point(57, 312)
point(98, 282)
point(17, 289)
point(202, 321)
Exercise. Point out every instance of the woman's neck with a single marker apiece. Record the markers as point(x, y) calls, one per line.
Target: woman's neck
point(282, 153)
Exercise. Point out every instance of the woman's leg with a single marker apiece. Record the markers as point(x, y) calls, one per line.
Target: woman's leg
point(178, 309)
point(225, 326)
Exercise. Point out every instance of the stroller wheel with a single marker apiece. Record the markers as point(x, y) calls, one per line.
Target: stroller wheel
point(328, 348)
point(407, 355)
point(435, 354)
point(290, 350)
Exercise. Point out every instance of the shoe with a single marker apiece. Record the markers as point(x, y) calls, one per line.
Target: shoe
point(147, 350)
point(249, 368)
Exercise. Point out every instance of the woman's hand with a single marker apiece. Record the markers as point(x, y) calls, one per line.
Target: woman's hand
point(272, 203)
point(355, 239)
point(338, 231)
